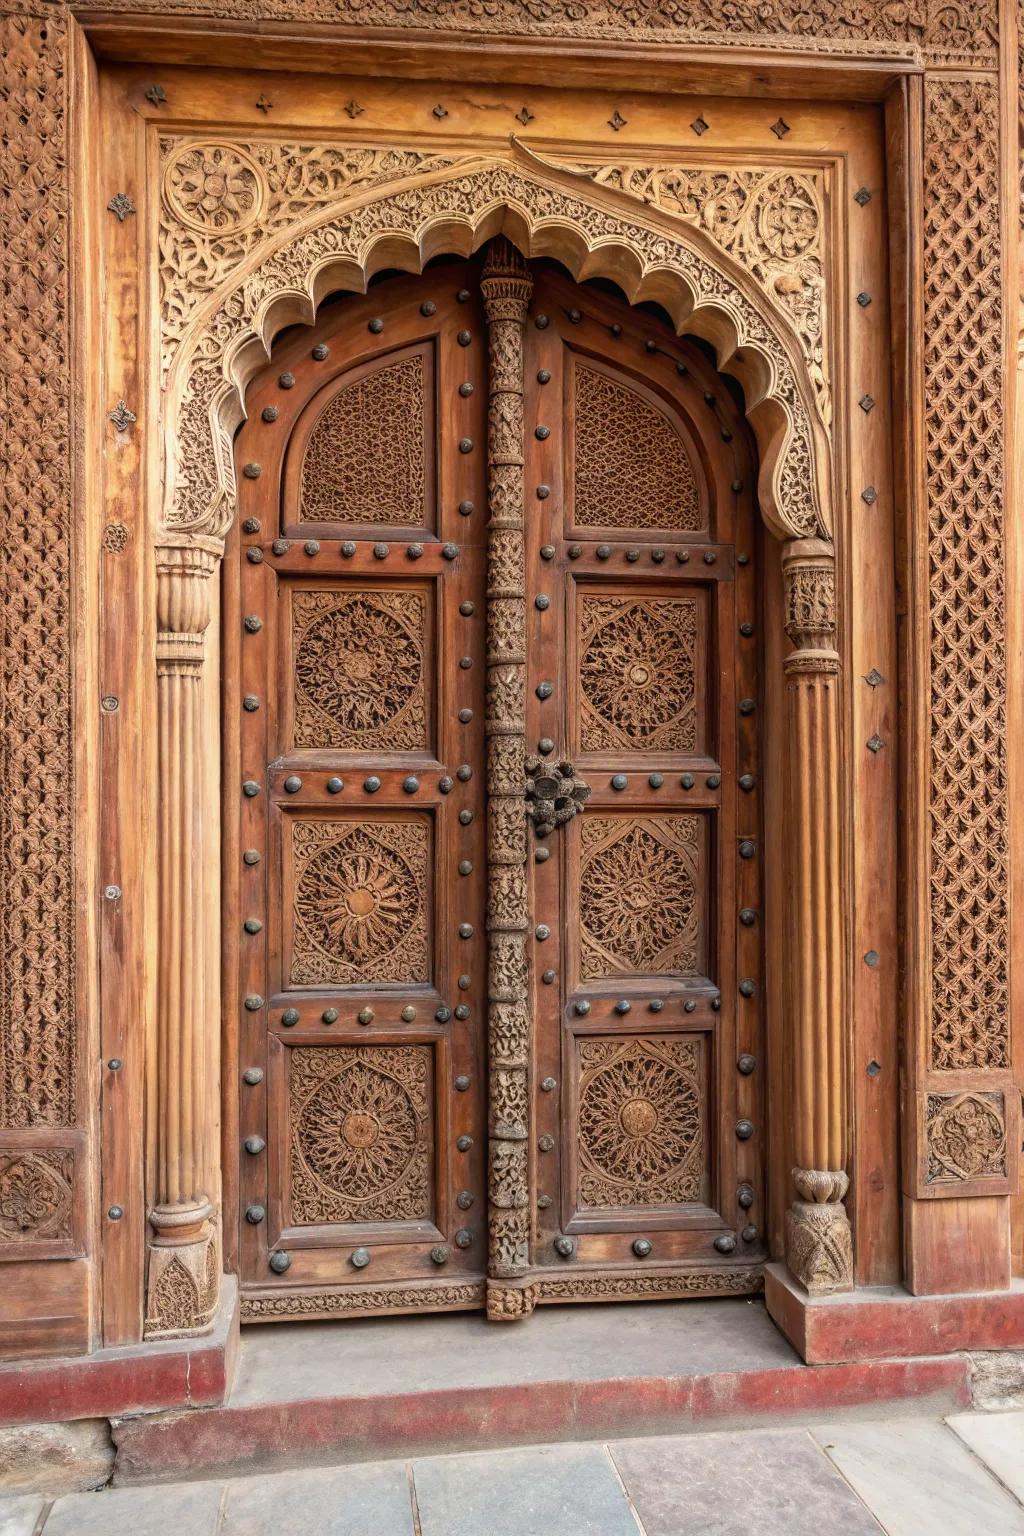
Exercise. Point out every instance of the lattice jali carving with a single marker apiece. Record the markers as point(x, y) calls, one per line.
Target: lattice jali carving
point(640, 1127)
point(37, 764)
point(365, 460)
point(771, 221)
point(637, 673)
point(358, 669)
point(360, 1133)
point(965, 1137)
point(552, 215)
point(965, 446)
point(630, 465)
point(641, 896)
point(361, 902)
point(222, 200)
point(36, 1195)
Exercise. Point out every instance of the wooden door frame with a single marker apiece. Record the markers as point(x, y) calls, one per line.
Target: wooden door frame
point(190, 548)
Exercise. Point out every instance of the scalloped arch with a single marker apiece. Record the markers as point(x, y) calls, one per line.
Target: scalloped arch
point(545, 211)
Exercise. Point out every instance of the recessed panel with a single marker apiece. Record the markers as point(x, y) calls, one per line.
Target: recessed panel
point(361, 1127)
point(641, 1121)
point(360, 668)
point(642, 896)
point(640, 661)
point(360, 906)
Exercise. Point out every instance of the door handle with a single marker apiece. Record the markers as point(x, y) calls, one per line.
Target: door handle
point(554, 794)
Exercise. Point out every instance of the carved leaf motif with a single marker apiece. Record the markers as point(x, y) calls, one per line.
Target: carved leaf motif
point(360, 907)
point(365, 458)
point(632, 469)
point(641, 1122)
point(360, 1133)
point(637, 673)
point(35, 1195)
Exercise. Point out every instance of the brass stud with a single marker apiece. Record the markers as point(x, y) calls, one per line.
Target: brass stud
point(687, 781)
point(311, 547)
point(251, 525)
point(414, 552)
point(548, 977)
point(463, 773)
point(250, 789)
point(464, 1143)
point(360, 1258)
point(581, 1007)
point(655, 1005)
point(873, 678)
point(716, 1003)
point(542, 322)
point(408, 1014)
point(745, 1197)
point(439, 1253)
point(120, 206)
point(465, 716)
point(465, 663)
point(542, 932)
point(465, 390)
point(749, 1233)
point(544, 690)
point(748, 917)
point(683, 556)
point(292, 784)
point(335, 785)
point(616, 330)
point(737, 486)
point(713, 780)
point(543, 492)
point(632, 555)
point(543, 376)
point(411, 784)
point(290, 1018)
point(869, 495)
point(699, 126)
point(280, 546)
point(254, 1145)
point(465, 930)
point(329, 1016)
point(875, 743)
point(619, 781)
point(746, 629)
point(446, 784)
point(746, 782)
point(466, 509)
point(623, 1006)
point(780, 128)
point(464, 338)
point(465, 867)
point(548, 1085)
point(428, 308)
point(463, 1238)
point(726, 1243)
point(543, 1202)
point(545, 746)
point(254, 1214)
point(862, 196)
point(376, 325)
point(690, 1006)
point(251, 856)
point(747, 987)
point(461, 1083)
point(524, 116)
point(252, 1076)
point(348, 549)
point(321, 352)
point(710, 557)
point(744, 1130)
point(467, 609)
point(547, 551)
point(443, 1014)
point(866, 404)
point(252, 471)
point(365, 1016)
point(747, 706)
point(604, 551)
point(286, 380)
point(450, 551)
point(253, 925)
point(465, 817)
point(252, 624)
point(546, 1143)
point(863, 299)
point(463, 296)
point(465, 445)
point(371, 784)
point(574, 551)
point(542, 434)
point(279, 1262)
point(658, 556)
point(465, 982)
point(746, 1064)
point(542, 601)
point(253, 1003)
point(115, 1064)
point(872, 958)
point(655, 780)
point(464, 1200)
point(462, 1011)
point(381, 551)
point(263, 104)
point(642, 1247)
point(564, 1247)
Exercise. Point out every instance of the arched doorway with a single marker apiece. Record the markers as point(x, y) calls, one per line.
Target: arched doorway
point(496, 1020)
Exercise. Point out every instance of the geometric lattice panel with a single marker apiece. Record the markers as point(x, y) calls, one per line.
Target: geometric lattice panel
point(360, 903)
point(365, 461)
point(638, 673)
point(641, 896)
point(359, 669)
point(632, 469)
point(360, 1121)
point(640, 1121)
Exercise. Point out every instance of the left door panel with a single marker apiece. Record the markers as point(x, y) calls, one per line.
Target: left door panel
point(361, 878)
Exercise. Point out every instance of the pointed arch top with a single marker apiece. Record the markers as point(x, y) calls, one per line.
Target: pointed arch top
point(545, 210)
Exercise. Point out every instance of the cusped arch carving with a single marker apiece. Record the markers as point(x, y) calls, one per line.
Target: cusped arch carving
point(545, 211)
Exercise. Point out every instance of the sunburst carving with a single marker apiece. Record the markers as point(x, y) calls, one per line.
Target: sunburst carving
point(638, 661)
point(641, 896)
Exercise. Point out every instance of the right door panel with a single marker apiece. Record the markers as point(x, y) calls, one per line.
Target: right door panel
point(643, 639)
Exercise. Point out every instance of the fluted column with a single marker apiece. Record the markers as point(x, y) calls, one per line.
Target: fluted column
point(183, 1262)
point(819, 1249)
point(506, 287)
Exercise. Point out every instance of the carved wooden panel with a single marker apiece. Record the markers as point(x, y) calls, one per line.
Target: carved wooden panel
point(365, 458)
point(966, 1138)
point(360, 662)
point(361, 901)
point(641, 665)
point(642, 897)
point(361, 1133)
point(631, 467)
point(36, 1196)
point(641, 1120)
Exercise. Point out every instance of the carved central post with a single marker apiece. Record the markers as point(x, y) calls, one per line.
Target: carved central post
point(183, 1269)
point(819, 1249)
point(506, 287)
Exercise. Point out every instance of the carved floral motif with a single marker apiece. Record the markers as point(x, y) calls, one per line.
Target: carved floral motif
point(35, 1195)
point(214, 188)
point(640, 896)
point(637, 673)
point(640, 1126)
point(965, 1137)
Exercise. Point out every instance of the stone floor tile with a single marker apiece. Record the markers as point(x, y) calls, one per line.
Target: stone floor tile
point(557, 1490)
point(772, 1482)
point(372, 1499)
point(998, 1439)
point(161, 1510)
point(918, 1479)
point(19, 1513)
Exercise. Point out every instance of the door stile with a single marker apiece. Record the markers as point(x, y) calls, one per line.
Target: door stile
point(507, 287)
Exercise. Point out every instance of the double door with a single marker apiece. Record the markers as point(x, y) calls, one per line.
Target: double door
point(496, 591)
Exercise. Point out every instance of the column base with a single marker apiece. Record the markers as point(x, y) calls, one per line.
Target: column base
point(182, 1271)
point(508, 1300)
point(888, 1323)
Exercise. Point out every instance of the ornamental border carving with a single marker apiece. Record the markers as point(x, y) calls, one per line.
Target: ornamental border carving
point(545, 211)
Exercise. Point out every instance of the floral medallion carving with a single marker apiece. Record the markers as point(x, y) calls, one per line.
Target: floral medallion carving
point(641, 896)
point(360, 1133)
point(214, 188)
point(637, 679)
point(361, 901)
point(966, 1137)
point(358, 670)
point(640, 1125)
point(631, 468)
point(35, 1195)
point(365, 460)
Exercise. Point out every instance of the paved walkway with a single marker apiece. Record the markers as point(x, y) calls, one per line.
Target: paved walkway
point(908, 1477)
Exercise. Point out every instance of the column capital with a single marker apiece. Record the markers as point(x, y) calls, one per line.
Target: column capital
point(809, 580)
point(184, 567)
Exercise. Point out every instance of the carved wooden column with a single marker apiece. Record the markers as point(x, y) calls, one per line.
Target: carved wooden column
point(506, 287)
point(183, 1269)
point(819, 1249)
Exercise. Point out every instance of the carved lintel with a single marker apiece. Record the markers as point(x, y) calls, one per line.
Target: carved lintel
point(819, 1242)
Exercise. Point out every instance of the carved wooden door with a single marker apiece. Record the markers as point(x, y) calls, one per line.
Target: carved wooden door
point(573, 526)
point(362, 950)
point(641, 603)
